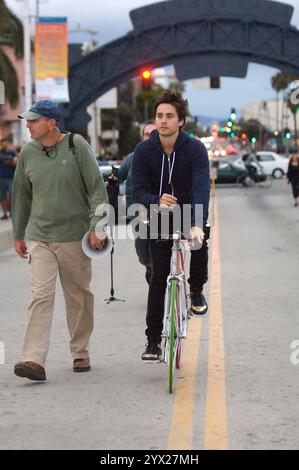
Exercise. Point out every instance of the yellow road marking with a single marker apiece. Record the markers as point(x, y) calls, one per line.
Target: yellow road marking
point(181, 432)
point(215, 420)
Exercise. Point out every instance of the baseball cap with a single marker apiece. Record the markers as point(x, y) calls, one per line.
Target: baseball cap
point(43, 108)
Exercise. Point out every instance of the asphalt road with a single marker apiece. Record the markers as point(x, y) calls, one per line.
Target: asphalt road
point(241, 352)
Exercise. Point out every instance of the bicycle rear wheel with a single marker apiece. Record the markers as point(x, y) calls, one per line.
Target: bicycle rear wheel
point(172, 334)
point(267, 183)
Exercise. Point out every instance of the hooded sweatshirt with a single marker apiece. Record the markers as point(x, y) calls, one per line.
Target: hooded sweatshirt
point(185, 174)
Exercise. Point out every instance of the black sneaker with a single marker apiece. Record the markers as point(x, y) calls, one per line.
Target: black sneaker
point(199, 305)
point(152, 354)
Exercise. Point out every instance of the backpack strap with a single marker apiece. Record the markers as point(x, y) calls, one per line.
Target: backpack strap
point(72, 146)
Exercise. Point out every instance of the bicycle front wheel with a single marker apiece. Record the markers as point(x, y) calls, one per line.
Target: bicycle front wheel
point(172, 334)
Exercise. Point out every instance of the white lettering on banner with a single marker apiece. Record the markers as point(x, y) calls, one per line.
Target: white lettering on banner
point(295, 97)
point(2, 92)
point(2, 353)
point(294, 357)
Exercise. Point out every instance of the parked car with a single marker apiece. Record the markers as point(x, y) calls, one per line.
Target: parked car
point(228, 172)
point(271, 162)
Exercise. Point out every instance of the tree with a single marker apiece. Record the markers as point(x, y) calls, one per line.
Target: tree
point(254, 129)
point(145, 104)
point(177, 86)
point(11, 35)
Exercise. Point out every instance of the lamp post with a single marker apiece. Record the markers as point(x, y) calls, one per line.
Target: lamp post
point(27, 102)
point(94, 126)
point(27, 56)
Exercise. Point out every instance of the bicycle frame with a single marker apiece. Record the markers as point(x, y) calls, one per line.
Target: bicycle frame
point(176, 310)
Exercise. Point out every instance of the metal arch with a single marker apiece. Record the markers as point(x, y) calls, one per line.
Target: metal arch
point(208, 39)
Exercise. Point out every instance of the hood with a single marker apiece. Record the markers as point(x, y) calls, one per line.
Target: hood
point(183, 137)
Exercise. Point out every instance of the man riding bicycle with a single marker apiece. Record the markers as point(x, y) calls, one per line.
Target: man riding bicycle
point(172, 169)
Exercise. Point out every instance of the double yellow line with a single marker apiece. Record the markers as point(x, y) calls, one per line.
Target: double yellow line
point(182, 423)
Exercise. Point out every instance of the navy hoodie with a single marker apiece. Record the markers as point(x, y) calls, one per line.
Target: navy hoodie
point(190, 181)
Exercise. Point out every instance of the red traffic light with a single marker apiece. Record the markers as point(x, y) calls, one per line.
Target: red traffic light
point(146, 74)
point(146, 79)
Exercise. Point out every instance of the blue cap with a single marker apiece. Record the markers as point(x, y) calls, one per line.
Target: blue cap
point(43, 108)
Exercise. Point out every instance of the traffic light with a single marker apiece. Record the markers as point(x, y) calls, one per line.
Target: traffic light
point(253, 140)
point(215, 82)
point(287, 133)
point(233, 114)
point(146, 79)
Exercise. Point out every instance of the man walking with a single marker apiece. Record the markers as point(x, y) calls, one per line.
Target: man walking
point(169, 169)
point(56, 191)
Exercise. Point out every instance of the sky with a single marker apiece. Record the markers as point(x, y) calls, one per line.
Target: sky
point(111, 20)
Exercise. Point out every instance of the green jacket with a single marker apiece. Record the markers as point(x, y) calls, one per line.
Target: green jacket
point(57, 198)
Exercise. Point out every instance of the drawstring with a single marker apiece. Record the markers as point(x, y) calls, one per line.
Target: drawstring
point(162, 171)
point(170, 172)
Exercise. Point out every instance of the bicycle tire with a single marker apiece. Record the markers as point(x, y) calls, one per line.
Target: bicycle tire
point(267, 183)
point(178, 348)
point(171, 358)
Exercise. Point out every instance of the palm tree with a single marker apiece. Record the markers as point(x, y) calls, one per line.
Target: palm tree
point(11, 35)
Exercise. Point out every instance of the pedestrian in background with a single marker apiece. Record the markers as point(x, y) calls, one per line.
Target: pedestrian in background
point(8, 158)
point(124, 173)
point(293, 177)
point(56, 191)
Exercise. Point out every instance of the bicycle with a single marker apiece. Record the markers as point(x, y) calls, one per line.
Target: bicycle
point(255, 179)
point(176, 312)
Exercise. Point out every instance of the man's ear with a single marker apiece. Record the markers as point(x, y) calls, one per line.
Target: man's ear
point(52, 123)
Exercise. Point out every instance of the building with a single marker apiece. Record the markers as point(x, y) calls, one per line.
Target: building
point(9, 122)
point(273, 114)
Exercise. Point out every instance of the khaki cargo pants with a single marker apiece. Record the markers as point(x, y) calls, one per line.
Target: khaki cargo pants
point(46, 260)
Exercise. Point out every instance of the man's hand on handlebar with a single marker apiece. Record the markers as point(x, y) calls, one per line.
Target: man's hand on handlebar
point(167, 200)
point(196, 236)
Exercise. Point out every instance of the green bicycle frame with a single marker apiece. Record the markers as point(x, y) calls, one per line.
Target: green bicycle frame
point(173, 317)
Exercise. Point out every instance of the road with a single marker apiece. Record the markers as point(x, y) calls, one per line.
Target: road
point(237, 388)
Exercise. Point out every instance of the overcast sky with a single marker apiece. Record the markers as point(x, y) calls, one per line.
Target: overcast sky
point(111, 20)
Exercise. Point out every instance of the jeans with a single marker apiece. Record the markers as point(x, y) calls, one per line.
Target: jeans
point(142, 247)
point(161, 256)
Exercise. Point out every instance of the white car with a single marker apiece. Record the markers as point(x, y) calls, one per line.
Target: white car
point(272, 163)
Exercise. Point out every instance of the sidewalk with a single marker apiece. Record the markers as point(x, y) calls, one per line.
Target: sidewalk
point(5, 234)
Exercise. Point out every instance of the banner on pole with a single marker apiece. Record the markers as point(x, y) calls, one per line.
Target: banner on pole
point(51, 60)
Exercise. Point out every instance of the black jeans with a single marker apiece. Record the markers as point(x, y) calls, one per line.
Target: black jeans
point(142, 247)
point(161, 255)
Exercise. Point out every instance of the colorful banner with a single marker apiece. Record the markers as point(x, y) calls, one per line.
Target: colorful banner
point(51, 60)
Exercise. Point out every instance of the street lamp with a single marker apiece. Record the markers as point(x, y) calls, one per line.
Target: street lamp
point(27, 60)
point(94, 126)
